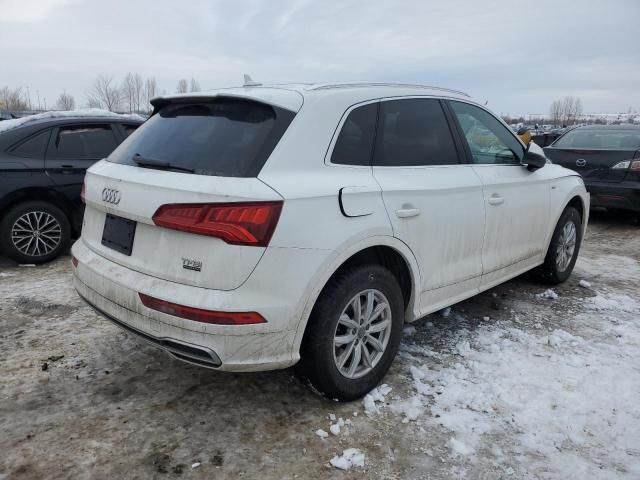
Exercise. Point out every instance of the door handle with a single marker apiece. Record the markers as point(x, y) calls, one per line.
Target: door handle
point(408, 212)
point(496, 199)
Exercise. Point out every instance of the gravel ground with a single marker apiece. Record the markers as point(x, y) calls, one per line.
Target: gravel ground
point(513, 383)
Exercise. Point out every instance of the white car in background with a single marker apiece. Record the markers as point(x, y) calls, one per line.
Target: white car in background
point(259, 227)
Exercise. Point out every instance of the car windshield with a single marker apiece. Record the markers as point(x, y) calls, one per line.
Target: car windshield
point(221, 137)
point(601, 139)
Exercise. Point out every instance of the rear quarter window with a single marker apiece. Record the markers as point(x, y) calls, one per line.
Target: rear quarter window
point(354, 145)
point(221, 137)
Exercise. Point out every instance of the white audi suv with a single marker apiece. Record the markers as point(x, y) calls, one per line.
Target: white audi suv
point(259, 227)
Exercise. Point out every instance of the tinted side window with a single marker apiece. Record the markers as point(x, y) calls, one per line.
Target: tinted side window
point(490, 141)
point(83, 141)
point(33, 147)
point(355, 142)
point(414, 132)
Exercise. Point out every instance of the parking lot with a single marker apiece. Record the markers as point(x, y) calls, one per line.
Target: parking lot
point(518, 382)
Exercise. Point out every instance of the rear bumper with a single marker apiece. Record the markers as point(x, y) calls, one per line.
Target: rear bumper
point(112, 290)
point(623, 195)
point(182, 351)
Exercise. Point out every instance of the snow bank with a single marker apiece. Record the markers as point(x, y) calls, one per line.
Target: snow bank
point(84, 112)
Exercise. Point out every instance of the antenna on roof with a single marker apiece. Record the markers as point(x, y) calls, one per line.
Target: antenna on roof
point(249, 82)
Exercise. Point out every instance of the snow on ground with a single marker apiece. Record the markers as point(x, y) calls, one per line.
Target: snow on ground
point(546, 388)
point(558, 403)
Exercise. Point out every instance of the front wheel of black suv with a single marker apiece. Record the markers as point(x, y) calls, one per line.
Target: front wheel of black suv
point(353, 333)
point(34, 232)
point(563, 249)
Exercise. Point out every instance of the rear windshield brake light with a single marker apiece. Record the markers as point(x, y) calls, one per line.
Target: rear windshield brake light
point(246, 223)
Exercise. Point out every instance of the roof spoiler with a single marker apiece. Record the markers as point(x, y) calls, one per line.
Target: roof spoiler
point(159, 102)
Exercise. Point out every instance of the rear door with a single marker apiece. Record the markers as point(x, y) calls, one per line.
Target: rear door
point(73, 148)
point(516, 200)
point(434, 201)
point(22, 160)
point(592, 151)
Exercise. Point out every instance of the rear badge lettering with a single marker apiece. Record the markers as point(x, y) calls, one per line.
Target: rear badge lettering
point(189, 264)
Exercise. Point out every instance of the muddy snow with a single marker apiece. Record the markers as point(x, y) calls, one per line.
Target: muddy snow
point(521, 381)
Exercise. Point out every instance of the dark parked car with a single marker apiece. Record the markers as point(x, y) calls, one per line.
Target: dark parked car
point(43, 160)
point(608, 158)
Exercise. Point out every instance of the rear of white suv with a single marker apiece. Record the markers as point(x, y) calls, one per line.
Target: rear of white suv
point(246, 229)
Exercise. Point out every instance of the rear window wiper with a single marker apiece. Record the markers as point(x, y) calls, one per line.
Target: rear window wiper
point(158, 164)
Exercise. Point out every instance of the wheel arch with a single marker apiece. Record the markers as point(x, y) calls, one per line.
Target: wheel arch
point(578, 198)
point(382, 250)
point(43, 194)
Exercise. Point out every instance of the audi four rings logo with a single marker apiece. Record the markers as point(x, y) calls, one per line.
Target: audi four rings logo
point(581, 162)
point(111, 195)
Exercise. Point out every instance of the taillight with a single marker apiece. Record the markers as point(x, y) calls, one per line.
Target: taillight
point(82, 193)
point(632, 165)
point(200, 315)
point(236, 223)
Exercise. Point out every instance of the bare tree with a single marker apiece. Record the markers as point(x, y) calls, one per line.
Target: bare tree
point(65, 102)
point(566, 111)
point(571, 110)
point(555, 112)
point(12, 99)
point(127, 92)
point(195, 86)
point(183, 86)
point(138, 85)
point(93, 103)
point(104, 93)
point(150, 88)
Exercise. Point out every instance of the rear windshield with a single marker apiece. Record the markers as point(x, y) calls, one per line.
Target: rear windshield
point(222, 137)
point(600, 139)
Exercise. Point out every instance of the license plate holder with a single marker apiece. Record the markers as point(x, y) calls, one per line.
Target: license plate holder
point(118, 233)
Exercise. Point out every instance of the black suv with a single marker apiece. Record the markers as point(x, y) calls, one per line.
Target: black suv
point(42, 167)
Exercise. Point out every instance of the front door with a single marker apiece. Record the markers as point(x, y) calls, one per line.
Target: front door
point(434, 201)
point(517, 200)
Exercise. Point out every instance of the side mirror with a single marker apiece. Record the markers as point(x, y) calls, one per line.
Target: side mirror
point(533, 160)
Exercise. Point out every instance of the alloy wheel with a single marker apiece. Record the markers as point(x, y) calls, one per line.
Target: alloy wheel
point(36, 233)
point(566, 246)
point(362, 333)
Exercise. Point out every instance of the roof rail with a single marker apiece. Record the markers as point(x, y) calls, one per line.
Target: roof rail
point(328, 86)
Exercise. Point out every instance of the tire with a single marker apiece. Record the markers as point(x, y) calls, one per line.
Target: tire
point(557, 266)
point(53, 237)
point(320, 356)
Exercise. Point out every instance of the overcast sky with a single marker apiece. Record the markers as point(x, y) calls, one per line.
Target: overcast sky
point(517, 55)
